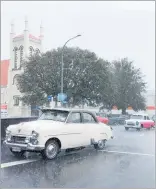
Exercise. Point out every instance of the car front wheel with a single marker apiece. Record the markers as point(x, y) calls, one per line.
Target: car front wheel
point(138, 129)
point(100, 145)
point(126, 128)
point(51, 150)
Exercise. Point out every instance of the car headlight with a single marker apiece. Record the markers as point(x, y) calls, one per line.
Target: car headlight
point(8, 138)
point(8, 135)
point(33, 139)
point(137, 123)
point(34, 134)
point(27, 139)
point(8, 132)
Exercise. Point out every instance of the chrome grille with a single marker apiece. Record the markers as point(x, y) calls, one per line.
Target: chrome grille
point(130, 123)
point(18, 139)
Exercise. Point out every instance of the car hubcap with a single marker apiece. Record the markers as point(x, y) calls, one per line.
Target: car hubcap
point(101, 143)
point(51, 151)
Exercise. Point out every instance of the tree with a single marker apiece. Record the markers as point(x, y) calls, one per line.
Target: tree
point(86, 77)
point(128, 85)
point(108, 95)
point(36, 82)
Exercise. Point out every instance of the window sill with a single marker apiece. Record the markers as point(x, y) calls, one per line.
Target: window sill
point(15, 69)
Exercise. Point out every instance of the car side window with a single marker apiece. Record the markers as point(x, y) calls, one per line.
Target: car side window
point(88, 118)
point(148, 118)
point(74, 117)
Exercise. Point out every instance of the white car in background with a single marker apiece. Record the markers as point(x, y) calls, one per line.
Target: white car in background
point(139, 121)
point(55, 130)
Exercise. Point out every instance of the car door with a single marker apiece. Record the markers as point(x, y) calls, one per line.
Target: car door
point(74, 124)
point(92, 127)
point(145, 122)
point(149, 122)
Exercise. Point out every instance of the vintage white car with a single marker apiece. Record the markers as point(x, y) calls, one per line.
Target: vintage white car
point(56, 130)
point(139, 121)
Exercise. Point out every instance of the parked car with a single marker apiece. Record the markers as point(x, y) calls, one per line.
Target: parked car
point(154, 118)
point(117, 119)
point(56, 130)
point(139, 121)
point(102, 117)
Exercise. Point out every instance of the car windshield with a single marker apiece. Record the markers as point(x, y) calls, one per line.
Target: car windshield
point(137, 117)
point(55, 115)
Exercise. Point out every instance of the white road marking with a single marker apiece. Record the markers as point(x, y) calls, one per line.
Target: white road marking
point(9, 164)
point(129, 153)
point(14, 163)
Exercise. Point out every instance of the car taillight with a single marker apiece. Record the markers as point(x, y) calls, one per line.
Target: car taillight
point(110, 127)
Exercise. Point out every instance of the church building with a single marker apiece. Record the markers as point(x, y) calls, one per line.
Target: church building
point(21, 47)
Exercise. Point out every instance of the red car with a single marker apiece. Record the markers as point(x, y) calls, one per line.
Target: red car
point(102, 117)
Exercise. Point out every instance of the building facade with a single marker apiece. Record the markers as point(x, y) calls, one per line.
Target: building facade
point(21, 47)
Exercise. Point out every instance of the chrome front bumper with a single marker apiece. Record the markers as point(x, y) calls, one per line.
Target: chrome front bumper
point(132, 126)
point(26, 147)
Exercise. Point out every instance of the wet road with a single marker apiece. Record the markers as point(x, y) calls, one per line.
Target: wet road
point(128, 161)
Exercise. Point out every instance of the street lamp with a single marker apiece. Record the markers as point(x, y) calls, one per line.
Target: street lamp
point(62, 63)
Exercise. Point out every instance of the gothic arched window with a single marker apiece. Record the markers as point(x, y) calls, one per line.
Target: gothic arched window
point(21, 54)
point(37, 51)
point(15, 57)
point(31, 50)
point(15, 79)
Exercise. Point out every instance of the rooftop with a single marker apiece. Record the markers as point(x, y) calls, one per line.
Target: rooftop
point(30, 36)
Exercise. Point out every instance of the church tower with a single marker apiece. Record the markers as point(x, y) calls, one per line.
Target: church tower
point(21, 47)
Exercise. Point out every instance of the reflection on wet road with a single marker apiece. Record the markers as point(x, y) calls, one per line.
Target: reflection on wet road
point(127, 162)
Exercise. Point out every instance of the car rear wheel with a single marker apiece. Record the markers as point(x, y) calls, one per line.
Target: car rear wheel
point(51, 150)
point(138, 129)
point(100, 145)
point(126, 128)
point(17, 154)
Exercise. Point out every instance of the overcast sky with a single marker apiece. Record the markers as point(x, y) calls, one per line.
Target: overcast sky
point(111, 29)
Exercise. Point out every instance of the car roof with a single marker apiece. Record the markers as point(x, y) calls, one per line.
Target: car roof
point(68, 109)
point(61, 109)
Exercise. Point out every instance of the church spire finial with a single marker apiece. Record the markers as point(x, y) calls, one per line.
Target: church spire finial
point(41, 29)
point(12, 27)
point(26, 23)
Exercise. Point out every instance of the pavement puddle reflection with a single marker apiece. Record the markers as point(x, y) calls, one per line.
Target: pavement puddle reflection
point(128, 153)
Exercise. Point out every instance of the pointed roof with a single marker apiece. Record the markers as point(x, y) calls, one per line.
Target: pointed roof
point(30, 36)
